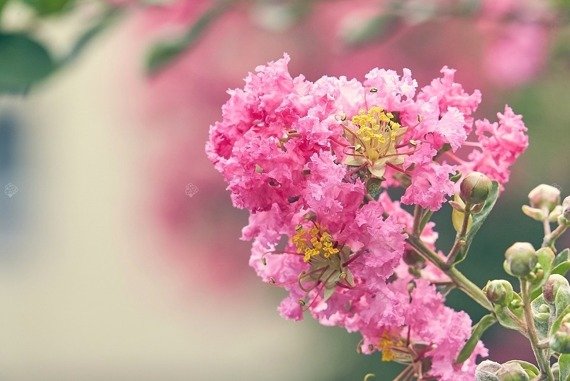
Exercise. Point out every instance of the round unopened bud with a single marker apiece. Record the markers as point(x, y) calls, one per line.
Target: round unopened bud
point(412, 258)
point(551, 287)
point(499, 292)
point(566, 208)
point(475, 188)
point(560, 340)
point(520, 259)
point(556, 371)
point(512, 372)
point(544, 196)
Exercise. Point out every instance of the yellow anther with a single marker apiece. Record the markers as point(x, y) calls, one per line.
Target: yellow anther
point(314, 242)
point(387, 346)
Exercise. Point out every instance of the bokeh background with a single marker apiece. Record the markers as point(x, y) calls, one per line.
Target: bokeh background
point(120, 255)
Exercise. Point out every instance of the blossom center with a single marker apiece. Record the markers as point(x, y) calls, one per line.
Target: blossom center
point(377, 132)
point(375, 135)
point(314, 242)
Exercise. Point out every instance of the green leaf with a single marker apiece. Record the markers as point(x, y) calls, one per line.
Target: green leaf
point(545, 259)
point(562, 299)
point(541, 319)
point(49, 7)
point(562, 257)
point(479, 219)
point(564, 364)
point(165, 52)
point(562, 268)
point(562, 263)
point(23, 62)
point(106, 20)
point(506, 315)
point(558, 321)
point(478, 330)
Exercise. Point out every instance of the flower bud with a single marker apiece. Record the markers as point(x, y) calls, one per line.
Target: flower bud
point(551, 287)
point(499, 292)
point(411, 258)
point(520, 259)
point(560, 340)
point(512, 371)
point(534, 213)
point(475, 188)
point(565, 215)
point(544, 196)
point(566, 208)
point(487, 370)
point(556, 371)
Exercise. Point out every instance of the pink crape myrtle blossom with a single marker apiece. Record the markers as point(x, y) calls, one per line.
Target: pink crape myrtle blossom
point(500, 145)
point(312, 161)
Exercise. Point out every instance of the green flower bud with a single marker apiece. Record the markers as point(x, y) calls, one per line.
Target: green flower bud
point(544, 196)
point(556, 371)
point(560, 340)
point(475, 188)
point(499, 292)
point(512, 372)
point(551, 287)
point(566, 208)
point(487, 370)
point(520, 259)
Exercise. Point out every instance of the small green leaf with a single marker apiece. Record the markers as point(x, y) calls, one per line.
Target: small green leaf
point(562, 257)
point(49, 7)
point(106, 20)
point(478, 330)
point(507, 315)
point(564, 364)
point(558, 321)
point(541, 318)
point(562, 299)
point(479, 219)
point(165, 52)
point(545, 259)
point(23, 62)
point(561, 268)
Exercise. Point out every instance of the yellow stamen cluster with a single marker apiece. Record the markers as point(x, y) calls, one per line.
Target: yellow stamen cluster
point(314, 242)
point(377, 129)
point(390, 346)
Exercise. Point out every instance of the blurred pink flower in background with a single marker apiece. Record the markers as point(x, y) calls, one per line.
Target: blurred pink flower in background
point(517, 35)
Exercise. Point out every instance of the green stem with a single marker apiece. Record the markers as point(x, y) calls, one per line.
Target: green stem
point(418, 211)
point(455, 275)
point(425, 219)
point(460, 238)
point(550, 239)
point(546, 222)
point(543, 363)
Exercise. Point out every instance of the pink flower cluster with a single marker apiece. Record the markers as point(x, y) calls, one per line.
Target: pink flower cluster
point(312, 162)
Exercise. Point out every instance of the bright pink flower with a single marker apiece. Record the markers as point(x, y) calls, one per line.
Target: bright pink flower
point(430, 186)
point(500, 145)
point(444, 330)
point(302, 157)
